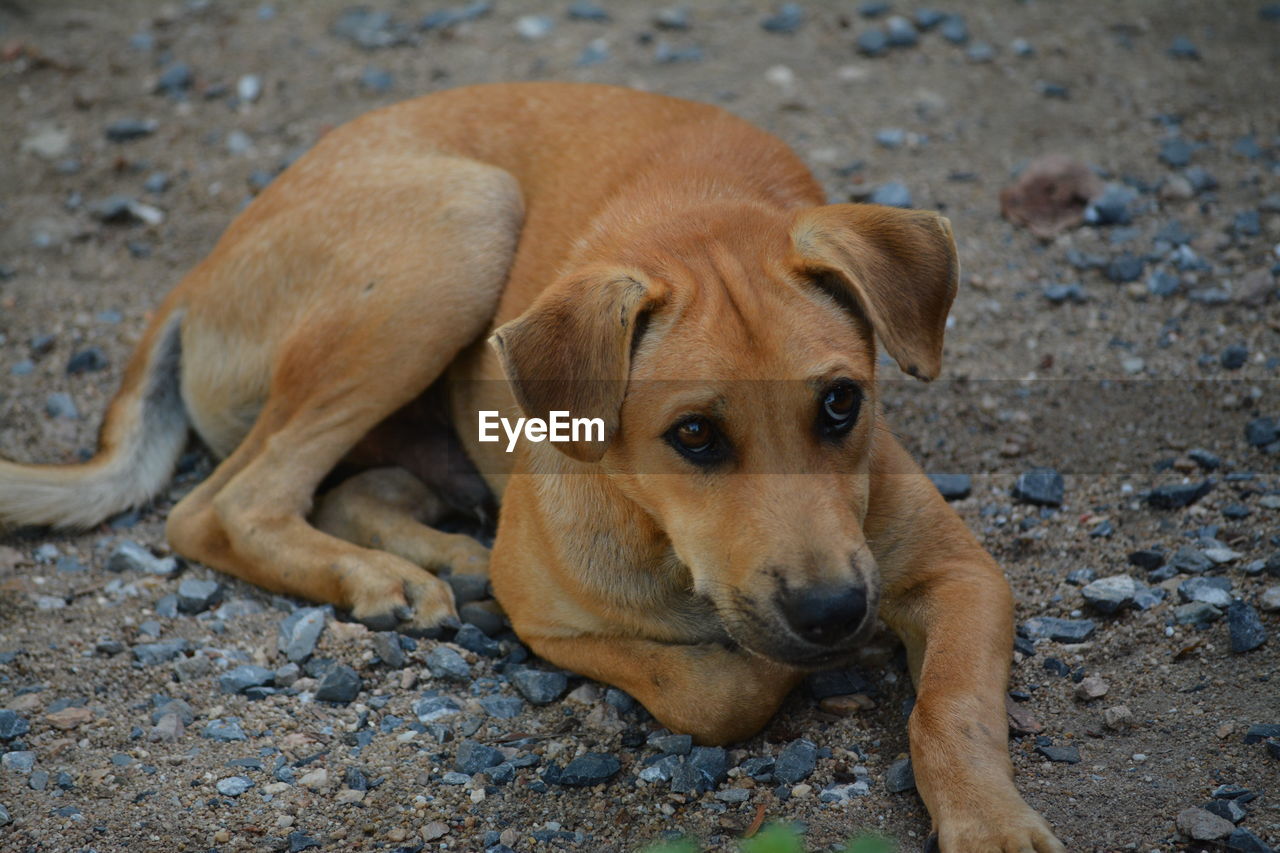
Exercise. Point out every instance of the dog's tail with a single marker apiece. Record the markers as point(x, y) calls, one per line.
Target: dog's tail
point(142, 435)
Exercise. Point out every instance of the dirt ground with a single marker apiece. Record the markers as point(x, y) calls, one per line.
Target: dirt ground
point(1112, 390)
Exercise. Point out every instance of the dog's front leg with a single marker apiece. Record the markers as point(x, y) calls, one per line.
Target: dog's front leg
point(717, 694)
point(947, 599)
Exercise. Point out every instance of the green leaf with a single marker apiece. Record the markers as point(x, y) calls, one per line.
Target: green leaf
point(684, 845)
point(870, 844)
point(774, 838)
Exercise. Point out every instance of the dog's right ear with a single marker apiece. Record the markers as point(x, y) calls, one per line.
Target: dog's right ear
point(571, 350)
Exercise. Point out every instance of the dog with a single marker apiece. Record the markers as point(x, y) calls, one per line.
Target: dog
point(742, 515)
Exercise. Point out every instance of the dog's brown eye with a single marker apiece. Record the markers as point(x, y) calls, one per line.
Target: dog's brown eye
point(840, 404)
point(697, 440)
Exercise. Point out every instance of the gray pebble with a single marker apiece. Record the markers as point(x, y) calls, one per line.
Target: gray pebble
point(429, 709)
point(1178, 495)
point(386, 645)
point(872, 43)
point(1234, 356)
point(18, 761)
point(583, 10)
point(952, 487)
point(446, 663)
point(377, 81)
point(130, 556)
point(666, 53)
point(467, 588)
point(12, 725)
point(788, 19)
point(197, 596)
point(340, 685)
point(89, 360)
point(892, 194)
point(1040, 487)
point(1108, 595)
point(300, 631)
point(900, 777)
point(1244, 627)
point(150, 654)
point(1112, 207)
point(175, 80)
point(502, 707)
point(128, 129)
point(1196, 613)
point(1176, 152)
point(224, 730)
point(234, 786)
point(1183, 48)
point(1060, 293)
point(980, 52)
point(241, 678)
point(1200, 825)
point(60, 405)
point(474, 757)
point(955, 30)
point(796, 761)
point(1059, 630)
point(672, 18)
point(1061, 754)
point(593, 768)
point(1125, 267)
point(473, 639)
point(671, 744)
point(1215, 591)
point(538, 686)
point(901, 32)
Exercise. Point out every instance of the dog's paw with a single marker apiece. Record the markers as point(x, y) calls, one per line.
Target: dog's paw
point(466, 556)
point(1018, 831)
point(391, 594)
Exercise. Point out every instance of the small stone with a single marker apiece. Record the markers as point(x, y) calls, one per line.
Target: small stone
point(60, 405)
point(473, 757)
point(234, 786)
point(980, 52)
point(1262, 432)
point(1269, 601)
point(845, 706)
point(1234, 357)
point(503, 707)
point(197, 596)
point(796, 761)
point(175, 80)
point(892, 194)
point(872, 43)
point(386, 645)
point(589, 769)
point(671, 744)
point(1060, 754)
point(1081, 577)
point(712, 765)
point(1226, 809)
point(1112, 207)
point(241, 678)
point(1183, 48)
point(1091, 688)
point(1040, 487)
point(168, 729)
point(952, 487)
point(377, 81)
point(1190, 560)
point(340, 685)
point(19, 761)
point(473, 639)
point(1058, 294)
point(538, 686)
point(224, 730)
point(1196, 613)
point(583, 10)
point(315, 780)
point(1200, 825)
point(1176, 152)
point(927, 19)
point(447, 664)
point(249, 88)
point(788, 19)
point(1215, 591)
point(1117, 718)
point(300, 631)
point(534, 27)
point(955, 30)
point(12, 726)
point(71, 717)
point(1124, 268)
point(130, 556)
point(1059, 630)
point(1244, 627)
point(89, 360)
point(1242, 840)
point(484, 615)
point(900, 777)
point(901, 32)
point(429, 709)
point(1108, 595)
point(672, 18)
point(126, 130)
point(150, 654)
point(1178, 495)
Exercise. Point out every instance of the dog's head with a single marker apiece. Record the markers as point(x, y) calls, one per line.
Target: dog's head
point(733, 363)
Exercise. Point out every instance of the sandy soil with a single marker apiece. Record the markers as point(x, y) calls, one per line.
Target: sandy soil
point(1113, 391)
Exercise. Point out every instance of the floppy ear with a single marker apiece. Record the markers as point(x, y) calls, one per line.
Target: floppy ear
point(571, 350)
point(897, 268)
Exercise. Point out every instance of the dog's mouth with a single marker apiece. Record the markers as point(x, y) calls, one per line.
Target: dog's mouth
point(767, 636)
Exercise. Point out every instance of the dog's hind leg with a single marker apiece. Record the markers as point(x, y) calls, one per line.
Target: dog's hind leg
point(391, 510)
point(402, 264)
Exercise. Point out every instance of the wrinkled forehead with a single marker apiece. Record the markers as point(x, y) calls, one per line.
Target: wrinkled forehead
point(757, 325)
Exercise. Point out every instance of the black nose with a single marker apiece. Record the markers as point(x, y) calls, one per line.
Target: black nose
point(825, 614)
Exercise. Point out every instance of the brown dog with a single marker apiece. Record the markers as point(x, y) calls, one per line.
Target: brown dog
point(655, 264)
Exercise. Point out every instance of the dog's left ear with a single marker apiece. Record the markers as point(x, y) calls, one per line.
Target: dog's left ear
point(571, 350)
point(896, 268)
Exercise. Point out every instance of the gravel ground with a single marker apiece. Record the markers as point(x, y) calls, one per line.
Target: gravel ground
point(1138, 359)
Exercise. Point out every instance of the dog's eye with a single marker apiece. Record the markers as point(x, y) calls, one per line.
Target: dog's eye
point(696, 439)
point(840, 404)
